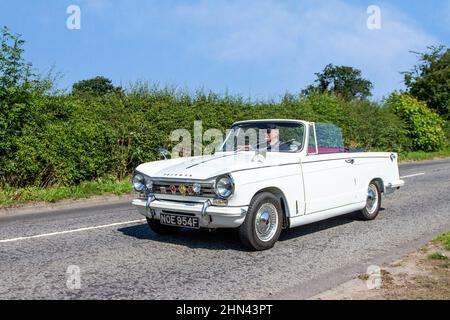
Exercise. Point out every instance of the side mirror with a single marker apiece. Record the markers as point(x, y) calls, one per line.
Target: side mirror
point(163, 152)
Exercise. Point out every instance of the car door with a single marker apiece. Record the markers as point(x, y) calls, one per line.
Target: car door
point(329, 179)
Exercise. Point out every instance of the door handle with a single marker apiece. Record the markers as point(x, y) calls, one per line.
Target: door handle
point(351, 161)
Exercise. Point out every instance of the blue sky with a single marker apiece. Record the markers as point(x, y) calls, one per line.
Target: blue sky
point(254, 48)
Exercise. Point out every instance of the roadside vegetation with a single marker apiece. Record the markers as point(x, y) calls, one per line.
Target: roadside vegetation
point(12, 197)
point(421, 275)
point(55, 145)
point(444, 239)
point(423, 155)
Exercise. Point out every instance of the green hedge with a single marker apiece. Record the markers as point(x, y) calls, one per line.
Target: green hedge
point(64, 140)
point(425, 127)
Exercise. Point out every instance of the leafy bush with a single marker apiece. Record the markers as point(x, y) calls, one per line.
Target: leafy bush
point(376, 127)
point(447, 130)
point(425, 127)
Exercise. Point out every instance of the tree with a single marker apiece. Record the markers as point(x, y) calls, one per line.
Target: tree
point(429, 80)
point(17, 87)
point(97, 86)
point(14, 71)
point(343, 81)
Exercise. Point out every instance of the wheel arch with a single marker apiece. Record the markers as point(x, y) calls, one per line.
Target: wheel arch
point(380, 183)
point(283, 202)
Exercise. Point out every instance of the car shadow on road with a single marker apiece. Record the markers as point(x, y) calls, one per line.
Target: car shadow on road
point(224, 239)
point(320, 225)
point(316, 227)
point(228, 239)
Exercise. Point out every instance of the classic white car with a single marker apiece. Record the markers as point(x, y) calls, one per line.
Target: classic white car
point(266, 176)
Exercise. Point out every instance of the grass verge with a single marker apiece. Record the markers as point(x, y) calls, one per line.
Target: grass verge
point(422, 155)
point(444, 239)
point(437, 256)
point(14, 197)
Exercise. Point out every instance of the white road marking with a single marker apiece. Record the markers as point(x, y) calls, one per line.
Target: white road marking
point(413, 175)
point(72, 231)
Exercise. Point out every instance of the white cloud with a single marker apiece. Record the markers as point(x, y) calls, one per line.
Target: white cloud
point(240, 30)
point(292, 38)
point(302, 37)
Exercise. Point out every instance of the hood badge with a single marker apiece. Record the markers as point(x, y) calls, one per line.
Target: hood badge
point(177, 175)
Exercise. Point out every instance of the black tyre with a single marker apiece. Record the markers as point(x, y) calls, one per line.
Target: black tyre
point(373, 203)
point(262, 226)
point(161, 229)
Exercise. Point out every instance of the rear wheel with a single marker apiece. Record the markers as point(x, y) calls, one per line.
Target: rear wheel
point(262, 226)
point(373, 202)
point(161, 229)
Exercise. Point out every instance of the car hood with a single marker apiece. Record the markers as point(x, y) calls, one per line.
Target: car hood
point(205, 167)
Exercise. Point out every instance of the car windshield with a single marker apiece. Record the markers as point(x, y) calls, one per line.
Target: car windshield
point(268, 136)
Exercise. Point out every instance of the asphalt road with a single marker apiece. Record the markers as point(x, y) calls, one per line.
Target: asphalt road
point(126, 260)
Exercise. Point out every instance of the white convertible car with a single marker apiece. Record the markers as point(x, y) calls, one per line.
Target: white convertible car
point(268, 175)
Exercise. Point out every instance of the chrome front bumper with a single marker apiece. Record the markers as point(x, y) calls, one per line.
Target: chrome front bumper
point(210, 216)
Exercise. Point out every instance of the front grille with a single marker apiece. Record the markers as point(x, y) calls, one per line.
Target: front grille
point(183, 188)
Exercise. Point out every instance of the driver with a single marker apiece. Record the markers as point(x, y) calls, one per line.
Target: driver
point(272, 141)
point(272, 137)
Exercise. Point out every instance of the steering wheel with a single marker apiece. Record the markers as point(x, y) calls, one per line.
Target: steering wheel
point(293, 144)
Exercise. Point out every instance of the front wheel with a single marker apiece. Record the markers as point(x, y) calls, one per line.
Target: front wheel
point(373, 202)
point(262, 226)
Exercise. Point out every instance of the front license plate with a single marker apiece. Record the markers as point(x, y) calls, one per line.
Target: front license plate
point(179, 220)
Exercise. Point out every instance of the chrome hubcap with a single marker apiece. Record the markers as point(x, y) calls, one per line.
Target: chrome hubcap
point(266, 222)
point(372, 199)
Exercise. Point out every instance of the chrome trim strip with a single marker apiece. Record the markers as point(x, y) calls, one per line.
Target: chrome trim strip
point(350, 155)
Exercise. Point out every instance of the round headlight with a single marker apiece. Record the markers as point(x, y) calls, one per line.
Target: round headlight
point(139, 182)
point(224, 186)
